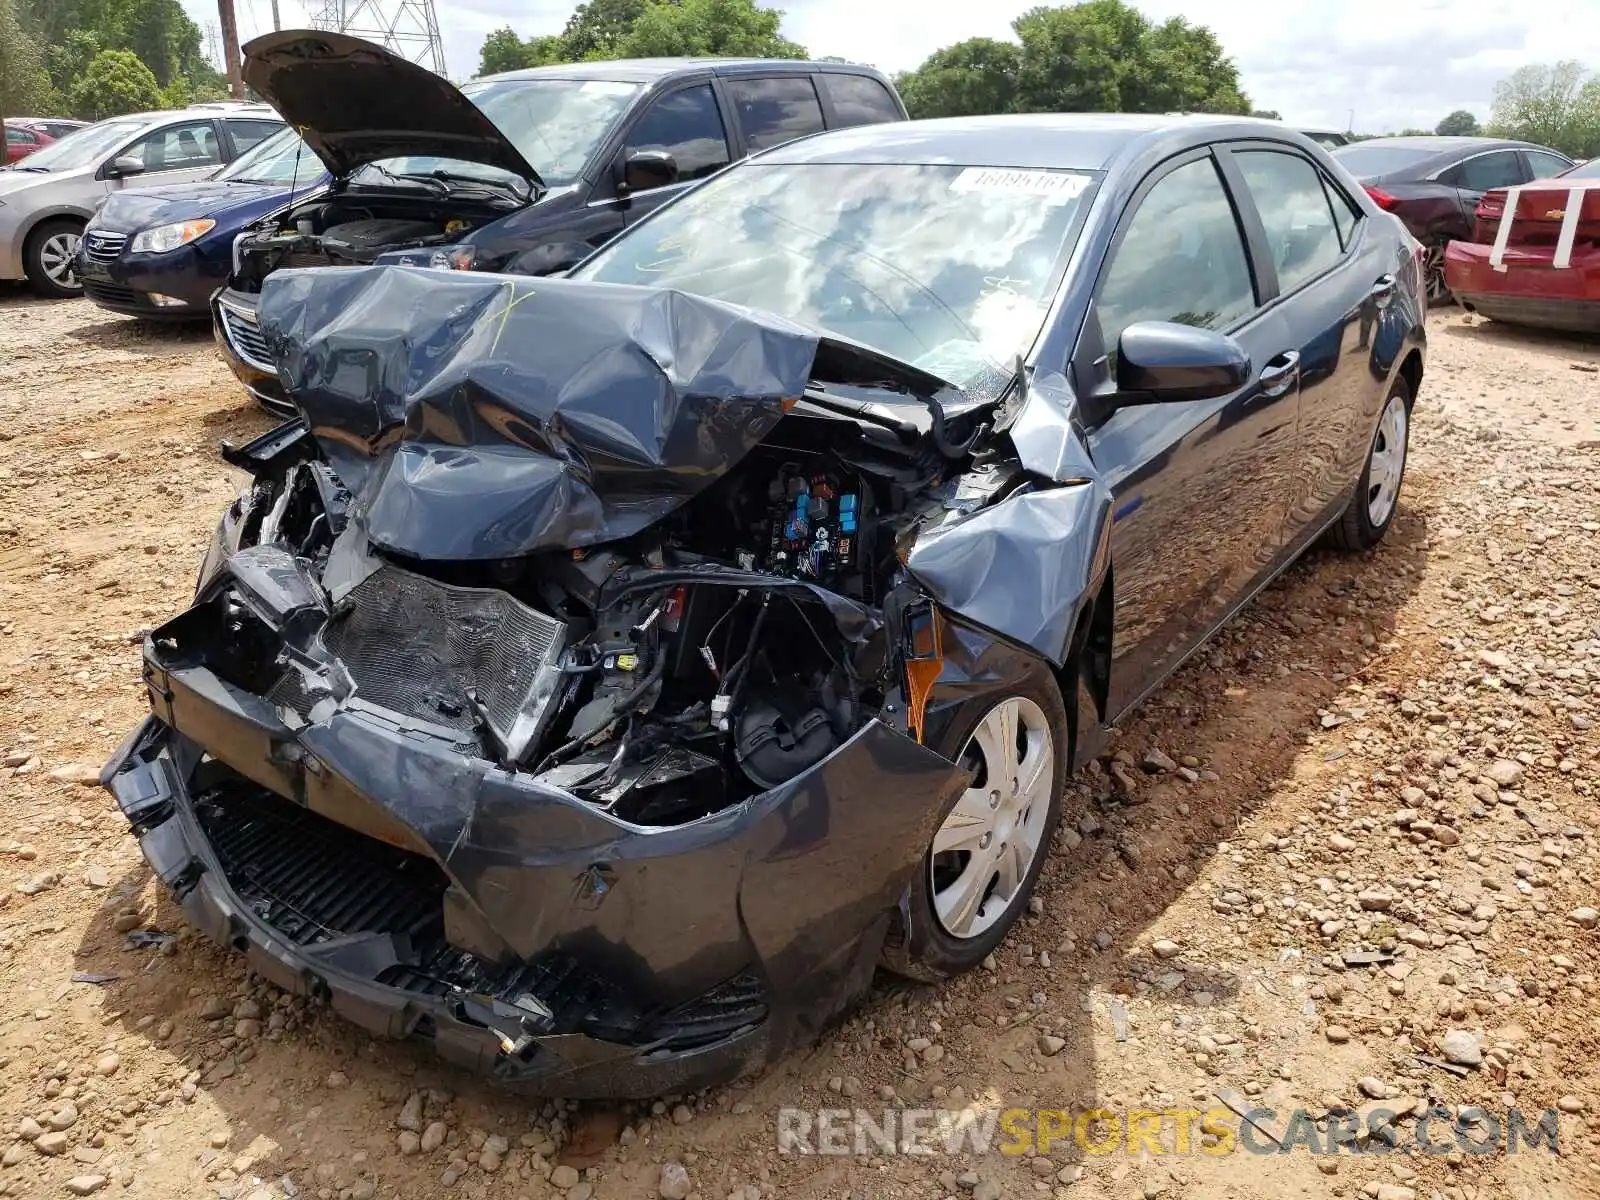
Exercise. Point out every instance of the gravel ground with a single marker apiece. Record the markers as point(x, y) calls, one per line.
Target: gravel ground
point(1394, 753)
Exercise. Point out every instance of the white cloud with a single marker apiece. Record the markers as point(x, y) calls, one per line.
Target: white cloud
point(1394, 64)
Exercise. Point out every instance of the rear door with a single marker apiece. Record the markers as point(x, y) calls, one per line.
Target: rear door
point(1474, 176)
point(1202, 489)
point(1331, 279)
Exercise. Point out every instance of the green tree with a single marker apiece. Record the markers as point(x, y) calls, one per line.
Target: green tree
point(24, 84)
point(158, 32)
point(1266, 114)
point(596, 28)
point(115, 83)
point(502, 50)
point(704, 27)
point(971, 78)
point(1097, 56)
point(1460, 123)
point(1552, 104)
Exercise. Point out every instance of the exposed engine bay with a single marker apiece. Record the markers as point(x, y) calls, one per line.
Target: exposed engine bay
point(660, 678)
point(354, 228)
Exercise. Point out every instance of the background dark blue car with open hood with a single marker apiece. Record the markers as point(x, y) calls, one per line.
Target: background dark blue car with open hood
point(161, 252)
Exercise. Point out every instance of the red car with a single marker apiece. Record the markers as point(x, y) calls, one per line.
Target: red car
point(22, 142)
point(1535, 254)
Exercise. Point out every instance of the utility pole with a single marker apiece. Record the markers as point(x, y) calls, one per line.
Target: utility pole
point(230, 48)
point(276, 23)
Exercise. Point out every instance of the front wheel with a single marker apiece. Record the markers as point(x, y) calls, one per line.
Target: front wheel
point(1377, 495)
point(50, 259)
point(986, 856)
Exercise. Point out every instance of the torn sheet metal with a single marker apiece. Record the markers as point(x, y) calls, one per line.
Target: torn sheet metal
point(1024, 567)
point(482, 417)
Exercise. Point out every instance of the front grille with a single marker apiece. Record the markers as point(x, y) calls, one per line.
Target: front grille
point(314, 880)
point(102, 246)
point(244, 335)
point(418, 647)
point(110, 293)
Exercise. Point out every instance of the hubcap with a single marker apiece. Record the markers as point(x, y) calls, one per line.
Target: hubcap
point(1387, 466)
point(59, 258)
point(983, 852)
point(1433, 270)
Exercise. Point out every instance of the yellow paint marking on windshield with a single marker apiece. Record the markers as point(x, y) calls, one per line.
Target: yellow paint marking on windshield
point(505, 314)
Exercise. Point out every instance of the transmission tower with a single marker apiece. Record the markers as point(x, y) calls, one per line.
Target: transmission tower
point(409, 28)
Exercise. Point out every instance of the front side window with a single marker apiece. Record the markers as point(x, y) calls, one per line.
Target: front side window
point(1181, 259)
point(774, 111)
point(1503, 168)
point(859, 100)
point(177, 148)
point(1294, 209)
point(687, 125)
point(950, 268)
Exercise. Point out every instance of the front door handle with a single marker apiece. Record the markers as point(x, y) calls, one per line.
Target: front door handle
point(1383, 291)
point(1280, 374)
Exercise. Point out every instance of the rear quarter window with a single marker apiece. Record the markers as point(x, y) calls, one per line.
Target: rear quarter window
point(859, 100)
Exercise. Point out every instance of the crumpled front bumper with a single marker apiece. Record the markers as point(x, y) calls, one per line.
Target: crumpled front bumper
point(146, 777)
point(792, 888)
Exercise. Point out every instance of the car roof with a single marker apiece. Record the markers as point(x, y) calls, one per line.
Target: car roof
point(1438, 144)
point(1081, 141)
point(650, 70)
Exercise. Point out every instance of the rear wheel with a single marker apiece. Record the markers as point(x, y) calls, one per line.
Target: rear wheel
point(1433, 273)
point(50, 259)
point(986, 855)
point(1377, 496)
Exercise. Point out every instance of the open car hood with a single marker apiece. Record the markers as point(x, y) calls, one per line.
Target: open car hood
point(356, 103)
point(478, 417)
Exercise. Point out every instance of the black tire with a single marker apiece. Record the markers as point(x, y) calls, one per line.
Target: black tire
point(46, 237)
point(1439, 293)
point(919, 946)
point(1356, 530)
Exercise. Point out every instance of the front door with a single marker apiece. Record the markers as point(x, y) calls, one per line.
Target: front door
point(1202, 489)
point(175, 154)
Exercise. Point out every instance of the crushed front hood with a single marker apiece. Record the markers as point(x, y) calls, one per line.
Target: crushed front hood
point(477, 417)
point(356, 103)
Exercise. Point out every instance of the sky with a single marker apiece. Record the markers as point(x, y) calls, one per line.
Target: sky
point(1382, 64)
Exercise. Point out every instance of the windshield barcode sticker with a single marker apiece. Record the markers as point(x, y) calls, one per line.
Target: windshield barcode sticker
point(1055, 187)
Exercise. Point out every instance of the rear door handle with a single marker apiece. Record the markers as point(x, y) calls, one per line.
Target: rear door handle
point(1280, 374)
point(1383, 291)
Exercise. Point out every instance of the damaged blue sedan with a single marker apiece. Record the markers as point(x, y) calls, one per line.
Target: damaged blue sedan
point(603, 676)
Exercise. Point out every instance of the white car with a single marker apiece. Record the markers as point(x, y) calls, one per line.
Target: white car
point(46, 198)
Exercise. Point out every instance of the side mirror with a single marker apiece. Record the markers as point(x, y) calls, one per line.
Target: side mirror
point(124, 166)
point(643, 170)
point(1162, 362)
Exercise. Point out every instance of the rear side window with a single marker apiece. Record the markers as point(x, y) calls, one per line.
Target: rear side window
point(859, 100)
point(1502, 168)
point(1181, 259)
point(1289, 195)
point(1545, 165)
point(687, 126)
point(1345, 213)
point(249, 133)
point(777, 110)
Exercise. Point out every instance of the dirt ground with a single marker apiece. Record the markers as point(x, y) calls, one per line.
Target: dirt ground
point(1391, 753)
